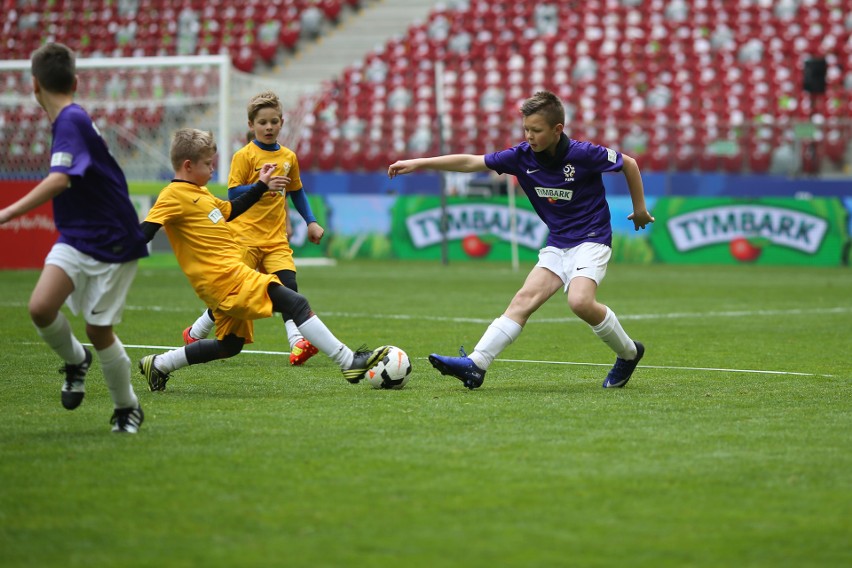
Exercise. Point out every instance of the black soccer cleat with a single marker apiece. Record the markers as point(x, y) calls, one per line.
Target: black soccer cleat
point(155, 377)
point(74, 387)
point(363, 361)
point(127, 420)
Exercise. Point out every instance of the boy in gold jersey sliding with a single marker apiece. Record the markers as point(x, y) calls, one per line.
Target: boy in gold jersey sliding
point(195, 222)
point(262, 230)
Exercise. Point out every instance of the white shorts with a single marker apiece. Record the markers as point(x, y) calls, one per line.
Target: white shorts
point(586, 259)
point(100, 288)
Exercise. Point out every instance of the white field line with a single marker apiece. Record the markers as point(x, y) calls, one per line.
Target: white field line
point(534, 320)
point(522, 361)
point(672, 315)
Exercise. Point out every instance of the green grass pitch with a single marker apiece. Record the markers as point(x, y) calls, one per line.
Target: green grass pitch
point(730, 446)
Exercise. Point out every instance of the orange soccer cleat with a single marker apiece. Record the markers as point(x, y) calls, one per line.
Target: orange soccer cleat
point(187, 338)
point(302, 351)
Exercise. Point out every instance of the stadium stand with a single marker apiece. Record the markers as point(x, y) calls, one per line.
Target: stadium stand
point(710, 85)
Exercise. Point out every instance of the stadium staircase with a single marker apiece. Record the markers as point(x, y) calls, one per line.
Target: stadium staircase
point(358, 34)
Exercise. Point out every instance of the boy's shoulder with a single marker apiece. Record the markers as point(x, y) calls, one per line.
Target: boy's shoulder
point(179, 188)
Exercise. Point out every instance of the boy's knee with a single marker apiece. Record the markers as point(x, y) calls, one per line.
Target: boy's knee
point(230, 345)
point(290, 304)
point(41, 314)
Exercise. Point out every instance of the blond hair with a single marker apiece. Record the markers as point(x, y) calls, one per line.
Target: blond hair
point(191, 144)
point(266, 99)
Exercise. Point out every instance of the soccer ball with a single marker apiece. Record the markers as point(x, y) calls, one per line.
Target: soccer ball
point(392, 372)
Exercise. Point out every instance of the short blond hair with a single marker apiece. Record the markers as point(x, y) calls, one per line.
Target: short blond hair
point(191, 144)
point(266, 99)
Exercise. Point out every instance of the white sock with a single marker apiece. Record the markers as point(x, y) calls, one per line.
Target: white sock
point(499, 335)
point(59, 337)
point(611, 333)
point(202, 327)
point(293, 333)
point(321, 337)
point(171, 360)
point(116, 368)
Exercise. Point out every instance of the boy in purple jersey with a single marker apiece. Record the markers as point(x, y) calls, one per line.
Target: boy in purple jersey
point(93, 262)
point(562, 179)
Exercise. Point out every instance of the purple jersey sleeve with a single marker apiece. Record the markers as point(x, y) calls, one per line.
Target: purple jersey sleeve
point(567, 194)
point(94, 214)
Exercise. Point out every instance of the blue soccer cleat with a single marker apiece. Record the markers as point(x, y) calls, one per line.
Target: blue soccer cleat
point(623, 370)
point(461, 368)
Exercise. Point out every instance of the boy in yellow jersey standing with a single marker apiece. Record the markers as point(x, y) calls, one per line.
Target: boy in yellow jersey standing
point(262, 230)
point(196, 223)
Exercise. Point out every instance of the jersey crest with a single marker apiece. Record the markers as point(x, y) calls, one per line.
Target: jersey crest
point(215, 215)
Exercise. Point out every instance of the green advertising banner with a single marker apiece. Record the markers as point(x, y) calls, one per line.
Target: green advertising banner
point(476, 228)
point(698, 230)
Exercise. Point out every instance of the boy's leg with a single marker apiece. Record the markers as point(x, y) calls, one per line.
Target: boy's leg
point(628, 352)
point(200, 328)
point(52, 289)
point(295, 306)
point(102, 302)
point(540, 284)
point(582, 298)
point(613, 335)
point(115, 365)
point(157, 368)
point(300, 348)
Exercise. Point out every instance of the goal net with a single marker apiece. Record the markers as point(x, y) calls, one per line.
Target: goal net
point(137, 103)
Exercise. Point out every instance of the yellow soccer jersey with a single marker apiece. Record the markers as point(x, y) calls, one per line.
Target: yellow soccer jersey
point(194, 220)
point(265, 223)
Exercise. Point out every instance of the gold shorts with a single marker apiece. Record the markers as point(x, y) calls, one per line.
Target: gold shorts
point(270, 259)
point(246, 302)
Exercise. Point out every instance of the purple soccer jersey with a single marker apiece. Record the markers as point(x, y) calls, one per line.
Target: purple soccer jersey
point(94, 214)
point(567, 193)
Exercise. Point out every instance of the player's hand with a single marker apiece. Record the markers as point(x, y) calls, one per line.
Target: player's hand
point(315, 233)
point(640, 219)
point(266, 172)
point(401, 167)
point(5, 216)
point(278, 183)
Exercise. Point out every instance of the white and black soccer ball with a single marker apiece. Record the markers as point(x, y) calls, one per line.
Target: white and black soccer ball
point(392, 372)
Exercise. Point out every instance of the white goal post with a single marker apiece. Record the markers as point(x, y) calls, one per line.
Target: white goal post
point(137, 103)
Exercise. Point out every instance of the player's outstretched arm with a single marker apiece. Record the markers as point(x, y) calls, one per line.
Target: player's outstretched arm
point(51, 186)
point(640, 216)
point(448, 163)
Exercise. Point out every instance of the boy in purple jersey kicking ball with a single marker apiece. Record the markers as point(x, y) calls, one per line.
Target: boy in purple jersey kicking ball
point(562, 179)
point(92, 264)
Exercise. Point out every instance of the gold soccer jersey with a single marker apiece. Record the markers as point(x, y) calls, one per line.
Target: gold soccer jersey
point(194, 220)
point(265, 223)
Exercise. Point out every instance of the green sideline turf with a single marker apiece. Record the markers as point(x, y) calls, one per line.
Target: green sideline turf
point(729, 447)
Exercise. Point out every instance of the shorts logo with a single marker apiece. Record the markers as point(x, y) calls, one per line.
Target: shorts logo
point(215, 215)
point(569, 172)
